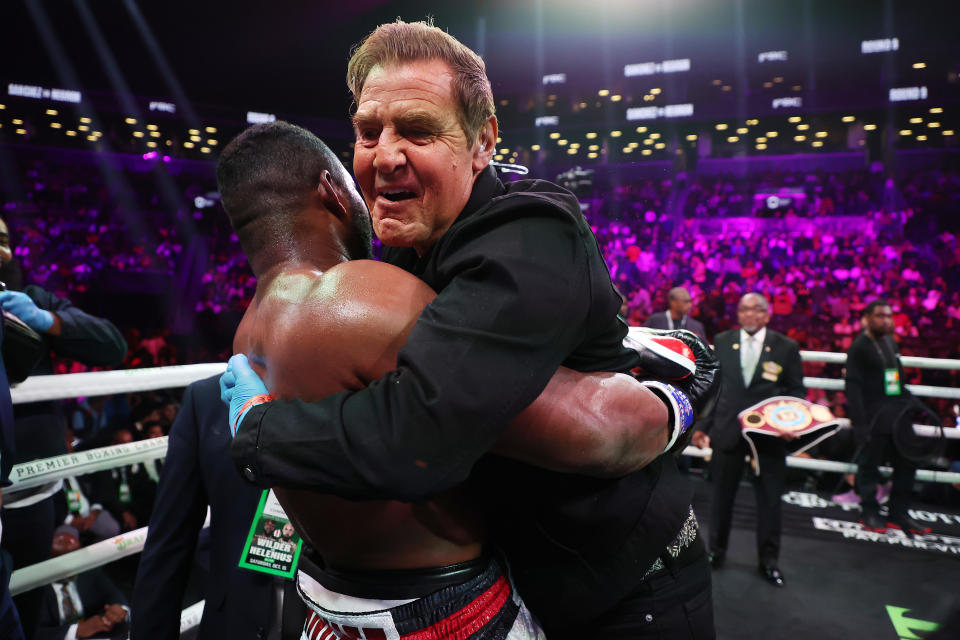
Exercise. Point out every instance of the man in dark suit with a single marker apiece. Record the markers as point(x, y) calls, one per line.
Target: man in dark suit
point(198, 472)
point(83, 606)
point(677, 316)
point(755, 363)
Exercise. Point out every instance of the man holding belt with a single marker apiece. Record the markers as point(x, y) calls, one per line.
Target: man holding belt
point(521, 289)
point(755, 363)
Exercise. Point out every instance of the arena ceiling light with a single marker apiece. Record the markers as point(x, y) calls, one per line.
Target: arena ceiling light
point(660, 145)
point(83, 127)
point(554, 135)
point(55, 125)
point(761, 146)
point(616, 134)
point(816, 143)
point(16, 121)
point(562, 142)
point(603, 92)
point(799, 138)
point(919, 65)
point(729, 139)
point(821, 134)
point(767, 85)
point(188, 144)
point(641, 129)
point(591, 135)
point(591, 155)
point(905, 132)
point(655, 91)
point(692, 137)
point(2, 106)
point(628, 149)
point(535, 147)
point(794, 119)
point(655, 136)
point(772, 134)
point(21, 132)
point(210, 129)
point(571, 152)
point(721, 126)
point(742, 130)
point(916, 120)
point(646, 152)
point(936, 109)
point(848, 118)
point(70, 132)
point(51, 112)
point(204, 149)
point(85, 120)
point(948, 132)
point(212, 142)
point(761, 140)
point(152, 127)
point(595, 147)
point(752, 122)
point(616, 97)
point(921, 138)
point(933, 125)
point(869, 127)
point(130, 120)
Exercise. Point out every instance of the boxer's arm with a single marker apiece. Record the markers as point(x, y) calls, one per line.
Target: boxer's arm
point(600, 424)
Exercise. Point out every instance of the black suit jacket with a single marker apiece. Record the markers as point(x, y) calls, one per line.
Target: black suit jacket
point(96, 592)
point(724, 427)
point(198, 471)
point(659, 321)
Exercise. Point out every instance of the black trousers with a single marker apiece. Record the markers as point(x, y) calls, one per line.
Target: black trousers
point(727, 469)
point(879, 449)
point(27, 536)
point(676, 603)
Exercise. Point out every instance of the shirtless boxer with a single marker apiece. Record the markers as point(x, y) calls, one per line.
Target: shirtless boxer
point(323, 321)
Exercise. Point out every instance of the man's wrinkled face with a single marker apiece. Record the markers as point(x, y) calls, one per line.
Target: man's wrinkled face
point(412, 159)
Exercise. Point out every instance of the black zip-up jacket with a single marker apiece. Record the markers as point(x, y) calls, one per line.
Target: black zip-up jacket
point(864, 384)
point(522, 288)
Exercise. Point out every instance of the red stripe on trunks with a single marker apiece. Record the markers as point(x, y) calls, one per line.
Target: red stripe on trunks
point(470, 619)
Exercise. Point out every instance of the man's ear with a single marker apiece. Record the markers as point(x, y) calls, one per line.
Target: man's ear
point(486, 145)
point(330, 195)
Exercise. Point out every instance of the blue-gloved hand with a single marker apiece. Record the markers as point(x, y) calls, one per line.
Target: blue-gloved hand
point(240, 384)
point(20, 305)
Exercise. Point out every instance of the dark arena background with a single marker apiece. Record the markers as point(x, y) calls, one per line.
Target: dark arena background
point(805, 150)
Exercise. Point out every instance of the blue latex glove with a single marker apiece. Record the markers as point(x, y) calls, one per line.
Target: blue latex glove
point(238, 384)
point(20, 305)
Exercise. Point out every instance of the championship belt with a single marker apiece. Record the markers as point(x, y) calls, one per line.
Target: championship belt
point(807, 422)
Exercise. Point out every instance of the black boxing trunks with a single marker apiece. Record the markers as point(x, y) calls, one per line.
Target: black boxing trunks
point(482, 606)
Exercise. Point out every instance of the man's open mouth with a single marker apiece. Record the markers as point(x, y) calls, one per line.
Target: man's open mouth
point(397, 195)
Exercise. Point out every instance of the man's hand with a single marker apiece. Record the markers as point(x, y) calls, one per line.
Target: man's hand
point(129, 520)
point(93, 625)
point(241, 389)
point(685, 361)
point(700, 440)
point(20, 305)
point(114, 614)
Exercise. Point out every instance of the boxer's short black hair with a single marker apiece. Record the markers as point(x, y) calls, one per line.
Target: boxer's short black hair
point(266, 176)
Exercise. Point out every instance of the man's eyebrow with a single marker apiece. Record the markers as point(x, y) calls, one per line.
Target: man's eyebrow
point(418, 119)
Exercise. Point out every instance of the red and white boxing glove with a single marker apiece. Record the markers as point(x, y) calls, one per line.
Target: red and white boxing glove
point(682, 370)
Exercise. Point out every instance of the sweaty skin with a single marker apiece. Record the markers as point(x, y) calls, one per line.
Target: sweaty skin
point(310, 334)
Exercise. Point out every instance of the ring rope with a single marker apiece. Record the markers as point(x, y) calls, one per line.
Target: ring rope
point(83, 559)
point(908, 361)
point(27, 475)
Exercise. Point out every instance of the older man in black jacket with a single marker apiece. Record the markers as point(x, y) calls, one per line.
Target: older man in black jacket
point(755, 363)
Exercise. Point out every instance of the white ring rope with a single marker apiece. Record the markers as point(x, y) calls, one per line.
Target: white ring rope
point(925, 475)
point(99, 383)
point(39, 472)
point(83, 559)
point(908, 361)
